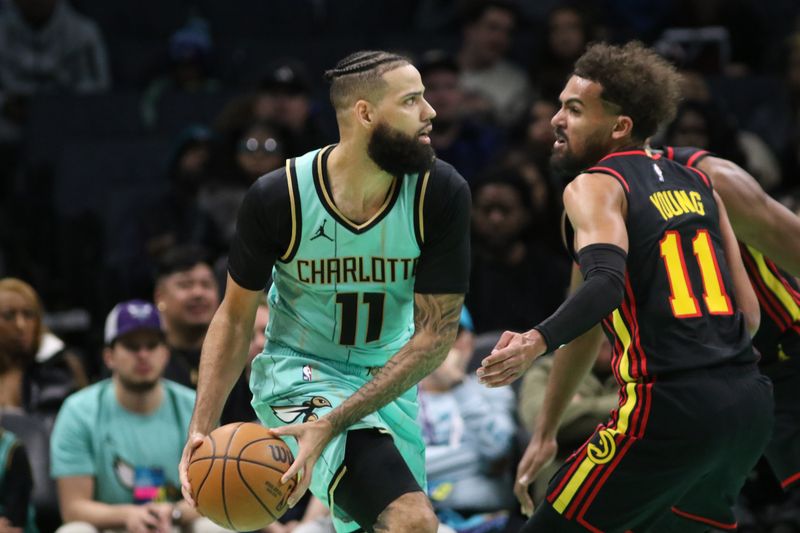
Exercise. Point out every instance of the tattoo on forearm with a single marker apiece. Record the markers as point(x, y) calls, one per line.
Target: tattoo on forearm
point(436, 324)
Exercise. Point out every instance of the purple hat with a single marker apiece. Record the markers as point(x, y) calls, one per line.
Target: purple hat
point(133, 315)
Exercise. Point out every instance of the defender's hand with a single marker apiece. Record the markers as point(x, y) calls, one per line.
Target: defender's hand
point(312, 437)
point(538, 455)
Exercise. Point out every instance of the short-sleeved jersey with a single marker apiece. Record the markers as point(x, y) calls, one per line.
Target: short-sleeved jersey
point(342, 290)
point(778, 337)
point(678, 311)
point(95, 436)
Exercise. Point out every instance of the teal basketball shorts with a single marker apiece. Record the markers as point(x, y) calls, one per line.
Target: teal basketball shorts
point(291, 387)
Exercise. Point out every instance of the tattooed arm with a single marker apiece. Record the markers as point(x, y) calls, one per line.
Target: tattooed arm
point(436, 324)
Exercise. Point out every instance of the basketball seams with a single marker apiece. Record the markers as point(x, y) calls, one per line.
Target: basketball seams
point(224, 470)
point(208, 472)
point(246, 484)
point(249, 461)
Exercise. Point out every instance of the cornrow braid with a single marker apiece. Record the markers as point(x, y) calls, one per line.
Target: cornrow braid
point(359, 75)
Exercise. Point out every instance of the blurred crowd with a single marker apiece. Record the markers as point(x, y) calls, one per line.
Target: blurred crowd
point(130, 132)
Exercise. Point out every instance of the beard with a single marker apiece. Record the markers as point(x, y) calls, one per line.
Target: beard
point(137, 386)
point(568, 164)
point(397, 153)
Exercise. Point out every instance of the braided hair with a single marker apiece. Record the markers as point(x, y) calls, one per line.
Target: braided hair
point(359, 76)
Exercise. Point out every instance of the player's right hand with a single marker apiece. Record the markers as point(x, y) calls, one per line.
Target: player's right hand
point(194, 442)
point(538, 454)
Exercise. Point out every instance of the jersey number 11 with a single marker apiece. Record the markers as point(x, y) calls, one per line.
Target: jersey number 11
point(683, 302)
point(349, 302)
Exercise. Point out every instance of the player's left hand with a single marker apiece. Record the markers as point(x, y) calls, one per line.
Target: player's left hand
point(513, 354)
point(312, 437)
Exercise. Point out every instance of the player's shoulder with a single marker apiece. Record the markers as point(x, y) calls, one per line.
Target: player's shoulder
point(446, 182)
point(271, 183)
point(684, 155)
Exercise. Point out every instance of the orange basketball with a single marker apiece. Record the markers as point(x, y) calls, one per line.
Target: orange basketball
point(236, 476)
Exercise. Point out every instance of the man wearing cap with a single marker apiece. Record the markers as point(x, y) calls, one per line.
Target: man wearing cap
point(116, 444)
point(284, 97)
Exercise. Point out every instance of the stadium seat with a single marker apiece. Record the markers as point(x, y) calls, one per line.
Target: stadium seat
point(57, 118)
point(36, 438)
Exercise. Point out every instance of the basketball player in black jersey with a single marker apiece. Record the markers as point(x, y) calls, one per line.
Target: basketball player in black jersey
point(664, 277)
point(769, 239)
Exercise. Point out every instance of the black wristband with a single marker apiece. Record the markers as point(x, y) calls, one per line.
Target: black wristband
point(603, 268)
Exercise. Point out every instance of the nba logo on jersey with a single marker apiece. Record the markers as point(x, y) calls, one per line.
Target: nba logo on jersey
point(658, 171)
point(307, 373)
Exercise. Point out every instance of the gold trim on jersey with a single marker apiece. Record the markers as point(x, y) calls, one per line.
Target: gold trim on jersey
point(332, 206)
point(293, 207)
point(580, 475)
point(624, 336)
point(421, 204)
point(775, 285)
point(334, 484)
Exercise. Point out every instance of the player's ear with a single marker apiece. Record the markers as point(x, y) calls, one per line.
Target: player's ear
point(365, 113)
point(623, 127)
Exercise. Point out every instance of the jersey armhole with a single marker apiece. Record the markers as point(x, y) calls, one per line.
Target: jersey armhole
point(568, 236)
point(294, 205)
point(613, 173)
point(419, 211)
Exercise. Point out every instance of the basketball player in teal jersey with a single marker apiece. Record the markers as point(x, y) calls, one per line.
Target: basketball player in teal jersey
point(367, 242)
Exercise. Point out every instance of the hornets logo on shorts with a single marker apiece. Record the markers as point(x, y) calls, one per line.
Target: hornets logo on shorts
point(290, 413)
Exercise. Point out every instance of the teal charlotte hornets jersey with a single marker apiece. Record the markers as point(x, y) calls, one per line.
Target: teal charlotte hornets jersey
point(345, 291)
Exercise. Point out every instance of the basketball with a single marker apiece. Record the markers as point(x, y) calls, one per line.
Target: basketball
point(236, 476)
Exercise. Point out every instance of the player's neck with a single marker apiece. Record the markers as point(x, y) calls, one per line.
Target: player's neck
point(135, 401)
point(358, 185)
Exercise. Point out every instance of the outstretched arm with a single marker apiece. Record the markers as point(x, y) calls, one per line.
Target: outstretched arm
point(436, 324)
point(757, 219)
point(596, 206)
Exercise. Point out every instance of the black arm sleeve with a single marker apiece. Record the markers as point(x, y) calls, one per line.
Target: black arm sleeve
point(603, 269)
point(17, 487)
point(445, 259)
point(263, 231)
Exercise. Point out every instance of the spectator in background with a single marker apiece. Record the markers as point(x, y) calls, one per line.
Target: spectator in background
point(110, 474)
point(37, 371)
point(16, 487)
point(284, 98)
point(514, 280)
point(702, 124)
point(469, 434)
point(187, 296)
point(246, 155)
point(494, 86)
point(45, 46)
point(534, 133)
point(567, 33)
point(466, 144)
point(178, 218)
point(189, 55)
